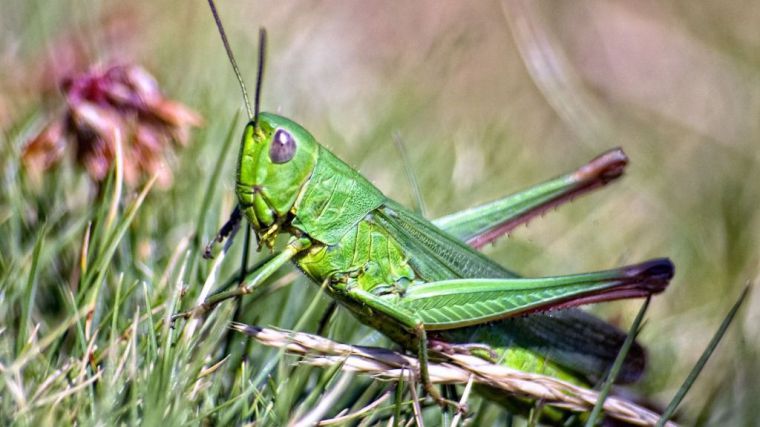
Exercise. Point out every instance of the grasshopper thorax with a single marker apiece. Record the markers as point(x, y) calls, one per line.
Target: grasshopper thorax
point(277, 157)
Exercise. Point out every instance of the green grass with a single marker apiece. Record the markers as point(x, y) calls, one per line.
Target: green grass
point(84, 302)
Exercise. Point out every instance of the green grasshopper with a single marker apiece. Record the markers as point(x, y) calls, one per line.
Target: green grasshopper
point(423, 284)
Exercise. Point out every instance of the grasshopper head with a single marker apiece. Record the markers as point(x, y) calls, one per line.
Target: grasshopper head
point(276, 160)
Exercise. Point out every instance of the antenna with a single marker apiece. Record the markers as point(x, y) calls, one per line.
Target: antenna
point(239, 76)
point(259, 73)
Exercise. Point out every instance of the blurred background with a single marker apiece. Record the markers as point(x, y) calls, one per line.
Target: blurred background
point(489, 97)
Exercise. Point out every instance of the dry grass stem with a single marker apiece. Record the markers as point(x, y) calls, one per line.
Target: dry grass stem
point(389, 365)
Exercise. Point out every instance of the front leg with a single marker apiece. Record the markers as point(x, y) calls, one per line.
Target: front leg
point(252, 281)
point(228, 231)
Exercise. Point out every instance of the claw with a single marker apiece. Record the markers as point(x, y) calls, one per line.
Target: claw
point(174, 318)
point(447, 403)
point(228, 230)
point(462, 409)
point(196, 311)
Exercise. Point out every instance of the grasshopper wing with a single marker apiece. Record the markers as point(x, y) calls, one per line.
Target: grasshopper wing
point(572, 338)
point(434, 254)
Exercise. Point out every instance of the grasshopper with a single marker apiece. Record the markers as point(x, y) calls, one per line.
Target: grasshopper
point(423, 284)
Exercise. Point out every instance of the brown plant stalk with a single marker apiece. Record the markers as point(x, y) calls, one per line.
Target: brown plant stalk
point(389, 365)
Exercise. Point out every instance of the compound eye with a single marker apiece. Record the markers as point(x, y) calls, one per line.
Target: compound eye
point(283, 147)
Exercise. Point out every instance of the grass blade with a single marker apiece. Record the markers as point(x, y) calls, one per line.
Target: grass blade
point(681, 393)
point(410, 175)
point(31, 292)
point(213, 182)
point(618, 364)
point(112, 243)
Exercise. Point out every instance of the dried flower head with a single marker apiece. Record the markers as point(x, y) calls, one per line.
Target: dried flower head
point(123, 99)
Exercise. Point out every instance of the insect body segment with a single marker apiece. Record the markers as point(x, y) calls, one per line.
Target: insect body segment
point(334, 201)
point(366, 256)
point(267, 190)
point(284, 172)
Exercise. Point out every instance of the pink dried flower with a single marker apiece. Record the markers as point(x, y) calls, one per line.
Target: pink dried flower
point(124, 99)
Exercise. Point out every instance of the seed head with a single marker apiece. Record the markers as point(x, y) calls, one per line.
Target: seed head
point(100, 103)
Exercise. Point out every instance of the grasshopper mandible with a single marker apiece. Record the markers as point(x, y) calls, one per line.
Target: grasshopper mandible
point(421, 283)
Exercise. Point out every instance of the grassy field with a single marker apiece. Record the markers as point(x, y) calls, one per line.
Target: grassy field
point(489, 97)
